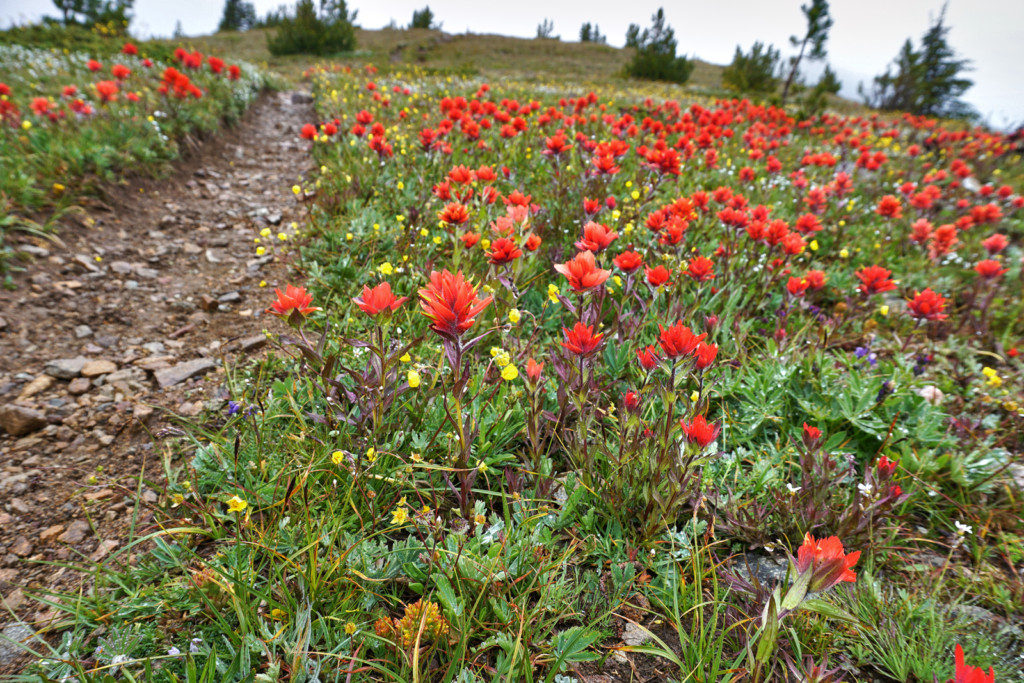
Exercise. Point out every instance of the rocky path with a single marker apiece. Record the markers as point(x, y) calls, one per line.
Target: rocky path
point(123, 325)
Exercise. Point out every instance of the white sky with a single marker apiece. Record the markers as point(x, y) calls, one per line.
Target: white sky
point(865, 37)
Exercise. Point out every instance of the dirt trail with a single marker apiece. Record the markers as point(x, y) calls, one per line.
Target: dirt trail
point(127, 321)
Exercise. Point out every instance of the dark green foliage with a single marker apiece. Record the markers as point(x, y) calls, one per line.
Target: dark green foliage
point(926, 81)
point(633, 35)
point(753, 72)
point(546, 29)
point(818, 23)
point(310, 32)
point(92, 12)
point(592, 34)
point(238, 16)
point(423, 18)
point(655, 57)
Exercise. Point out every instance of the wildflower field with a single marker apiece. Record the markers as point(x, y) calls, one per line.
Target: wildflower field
point(588, 382)
point(72, 120)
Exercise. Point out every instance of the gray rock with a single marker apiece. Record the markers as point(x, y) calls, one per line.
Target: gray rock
point(65, 368)
point(79, 385)
point(633, 635)
point(168, 377)
point(18, 420)
point(230, 298)
point(83, 331)
point(299, 97)
point(121, 267)
point(76, 532)
point(95, 368)
point(9, 639)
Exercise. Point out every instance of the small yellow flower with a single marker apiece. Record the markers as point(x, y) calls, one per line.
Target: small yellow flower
point(482, 466)
point(695, 396)
point(296, 189)
point(883, 310)
point(265, 232)
point(371, 453)
point(413, 378)
point(416, 457)
point(26, 124)
point(553, 293)
point(57, 188)
point(994, 380)
point(350, 628)
point(405, 357)
point(278, 614)
point(509, 373)
point(514, 316)
point(236, 504)
point(480, 519)
point(337, 457)
point(386, 268)
point(814, 245)
point(844, 253)
point(399, 516)
point(260, 251)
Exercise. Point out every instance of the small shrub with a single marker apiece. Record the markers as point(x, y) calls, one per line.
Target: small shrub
point(309, 32)
point(655, 57)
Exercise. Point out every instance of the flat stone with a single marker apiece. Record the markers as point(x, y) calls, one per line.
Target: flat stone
point(9, 639)
point(121, 267)
point(103, 549)
point(75, 532)
point(95, 368)
point(633, 635)
point(22, 547)
point(79, 385)
point(252, 343)
point(208, 303)
point(83, 331)
point(65, 368)
point(18, 420)
point(168, 377)
point(50, 533)
point(36, 386)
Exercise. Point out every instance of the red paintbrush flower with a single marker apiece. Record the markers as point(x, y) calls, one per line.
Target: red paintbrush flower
point(678, 340)
point(451, 303)
point(648, 357)
point(874, 279)
point(582, 272)
point(995, 244)
point(827, 561)
point(378, 300)
point(503, 250)
point(701, 269)
point(534, 369)
point(928, 305)
point(581, 339)
point(292, 301)
point(454, 214)
point(815, 280)
point(965, 673)
point(698, 431)
point(705, 355)
point(989, 269)
point(658, 275)
point(308, 132)
point(797, 286)
point(596, 237)
point(629, 261)
point(889, 207)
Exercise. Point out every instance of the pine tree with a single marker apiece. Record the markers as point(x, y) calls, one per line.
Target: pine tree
point(422, 18)
point(819, 21)
point(238, 16)
point(655, 56)
point(754, 72)
point(926, 81)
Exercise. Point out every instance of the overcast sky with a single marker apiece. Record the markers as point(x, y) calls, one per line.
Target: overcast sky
point(865, 37)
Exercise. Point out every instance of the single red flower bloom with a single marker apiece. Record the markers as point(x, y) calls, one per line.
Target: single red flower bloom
point(701, 269)
point(129, 49)
point(378, 300)
point(581, 339)
point(120, 72)
point(293, 299)
point(648, 357)
point(815, 280)
point(582, 272)
point(308, 132)
point(698, 431)
point(631, 400)
point(450, 301)
point(469, 239)
point(990, 269)
point(534, 369)
point(679, 340)
point(965, 673)
point(874, 279)
point(93, 65)
point(811, 435)
point(454, 214)
point(596, 237)
point(705, 354)
point(629, 261)
point(532, 242)
point(503, 250)
point(797, 286)
point(827, 561)
point(928, 305)
point(889, 207)
point(658, 275)
point(106, 90)
point(995, 244)
point(886, 467)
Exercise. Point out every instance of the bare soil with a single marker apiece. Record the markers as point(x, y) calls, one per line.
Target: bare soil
point(156, 286)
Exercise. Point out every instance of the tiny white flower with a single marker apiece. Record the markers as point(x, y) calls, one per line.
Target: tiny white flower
point(962, 529)
point(793, 489)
